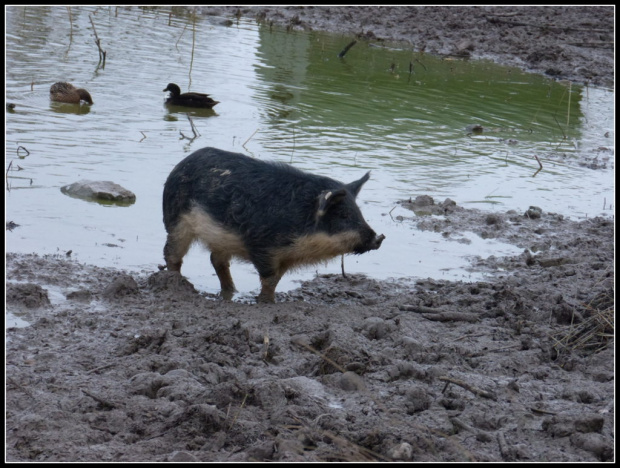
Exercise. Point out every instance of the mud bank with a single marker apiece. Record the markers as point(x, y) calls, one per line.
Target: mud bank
point(564, 42)
point(126, 367)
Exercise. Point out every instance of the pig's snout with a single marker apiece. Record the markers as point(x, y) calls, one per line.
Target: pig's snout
point(376, 242)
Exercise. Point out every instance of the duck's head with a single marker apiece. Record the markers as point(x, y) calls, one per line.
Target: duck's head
point(84, 95)
point(173, 88)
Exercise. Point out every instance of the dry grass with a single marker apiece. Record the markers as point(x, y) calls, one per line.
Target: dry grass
point(595, 332)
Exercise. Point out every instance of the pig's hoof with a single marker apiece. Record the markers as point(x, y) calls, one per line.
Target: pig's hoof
point(265, 299)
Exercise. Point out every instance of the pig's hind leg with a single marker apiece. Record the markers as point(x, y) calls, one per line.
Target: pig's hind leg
point(221, 263)
point(175, 249)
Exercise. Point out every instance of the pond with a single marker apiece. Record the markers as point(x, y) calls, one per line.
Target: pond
point(285, 96)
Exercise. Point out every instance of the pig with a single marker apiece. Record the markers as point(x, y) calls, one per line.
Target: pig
point(270, 214)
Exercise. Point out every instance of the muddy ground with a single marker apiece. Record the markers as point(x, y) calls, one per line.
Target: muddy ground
point(128, 367)
point(145, 368)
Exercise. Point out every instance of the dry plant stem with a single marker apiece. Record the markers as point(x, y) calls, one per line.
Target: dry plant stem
point(539, 163)
point(8, 187)
point(194, 130)
point(251, 136)
point(191, 63)
point(540, 166)
point(193, 127)
point(102, 53)
point(70, 21)
point(568, 110)
point(22, 148)
point(346, 49)
point(238, 412)
point(182, 32)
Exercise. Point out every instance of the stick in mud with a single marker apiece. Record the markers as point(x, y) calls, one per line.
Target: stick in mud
point(466, 386)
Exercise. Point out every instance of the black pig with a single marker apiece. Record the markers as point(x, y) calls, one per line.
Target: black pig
point(267, 213)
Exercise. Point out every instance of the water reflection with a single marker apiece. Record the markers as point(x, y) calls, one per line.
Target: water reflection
point(66, 108)
point(173, 111)
point(284, 96)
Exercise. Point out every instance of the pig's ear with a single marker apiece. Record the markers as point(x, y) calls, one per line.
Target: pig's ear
point(327, 199)
point(355, 187)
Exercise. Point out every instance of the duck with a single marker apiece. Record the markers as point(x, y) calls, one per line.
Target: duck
point(66, 92)
point(188, 99)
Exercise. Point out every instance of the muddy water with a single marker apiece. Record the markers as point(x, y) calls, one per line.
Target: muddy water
point(284, 96)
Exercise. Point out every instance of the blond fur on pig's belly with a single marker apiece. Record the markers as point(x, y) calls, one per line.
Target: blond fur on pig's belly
point(198, 225)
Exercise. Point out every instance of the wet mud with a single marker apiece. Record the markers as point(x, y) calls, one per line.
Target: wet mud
point(123, 367)
point(520, 367)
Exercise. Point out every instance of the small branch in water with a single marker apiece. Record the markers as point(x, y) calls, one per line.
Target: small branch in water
point(70, 21)
point(568, 109)
point(539, 163)
point(561, 129)
point(540, 168)
point(418, 60)
point(346, 49)
point(252, 135)
point(8, 187)
point(102, 53)
point(194, 130)
point(292, 152)
point(390, 213)
point(22, 156)
point(191, 62)
point(182, 32)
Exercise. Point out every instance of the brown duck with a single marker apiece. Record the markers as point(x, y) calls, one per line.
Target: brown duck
point(188, 99)
point(66, 92)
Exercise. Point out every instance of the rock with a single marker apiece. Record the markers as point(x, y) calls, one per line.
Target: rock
point(375, 328)
point(593, 443)
point(403, 451)
point(180, 457)
point(350, 381)
point(99, 190)
point(533, 212)
point(417, 399)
